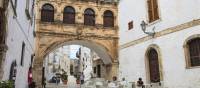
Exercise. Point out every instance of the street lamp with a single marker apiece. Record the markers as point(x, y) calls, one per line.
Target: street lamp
point(143, 26)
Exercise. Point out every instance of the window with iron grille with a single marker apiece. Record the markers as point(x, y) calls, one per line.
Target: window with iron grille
point(154, 66)
point(89, 17)
point(69, 15)
point(47, 13)
point(108, 19)
point(194, 52)
point(153, 10)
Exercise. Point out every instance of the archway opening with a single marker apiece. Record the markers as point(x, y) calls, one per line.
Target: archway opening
point(74, 58)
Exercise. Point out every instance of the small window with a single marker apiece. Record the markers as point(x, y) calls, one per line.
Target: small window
point(108, 19)
point(194, 52)
point(47, 13)
point(89, 17)
point(69, 15)
point(22, 54)
point(130, 25)
point(153, 10)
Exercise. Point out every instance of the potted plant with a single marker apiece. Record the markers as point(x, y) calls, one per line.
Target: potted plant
point(64, 77)
point(78, 79)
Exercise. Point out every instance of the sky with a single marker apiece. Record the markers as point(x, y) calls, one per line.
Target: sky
point(73, 50)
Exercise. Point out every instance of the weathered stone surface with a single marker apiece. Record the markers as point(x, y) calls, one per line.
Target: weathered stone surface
point(50, 36)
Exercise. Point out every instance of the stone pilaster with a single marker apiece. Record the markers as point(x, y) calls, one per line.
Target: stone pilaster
point(112, 70)
point(37, 73)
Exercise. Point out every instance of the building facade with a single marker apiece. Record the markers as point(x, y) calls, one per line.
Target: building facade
point(89, 23)
point(18, 32)
point(159, 40)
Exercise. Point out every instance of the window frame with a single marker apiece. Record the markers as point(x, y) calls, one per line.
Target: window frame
point(154, 19)
point(157, 48)
point(47, 18)
point(71, 15)
point(91, 18)
point(109, 19)
point(187, 51)
point(130, 25)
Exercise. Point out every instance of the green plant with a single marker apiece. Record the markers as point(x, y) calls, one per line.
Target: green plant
point(7, 84)
point(64, 76)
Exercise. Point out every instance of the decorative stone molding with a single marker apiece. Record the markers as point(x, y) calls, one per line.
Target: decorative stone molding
point(162, 33)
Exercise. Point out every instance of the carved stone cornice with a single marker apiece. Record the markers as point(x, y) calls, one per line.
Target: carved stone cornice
point(79, 36)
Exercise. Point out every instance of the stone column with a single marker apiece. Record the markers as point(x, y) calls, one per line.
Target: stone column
point(112, 70)
point(37, 72)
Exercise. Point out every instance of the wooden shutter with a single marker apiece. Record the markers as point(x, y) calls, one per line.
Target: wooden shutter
point(89, 20)
point(194, 48)
point(150, 10)
point(108, 21)
point(154, 66)
point(155, 10)
point(69, 18)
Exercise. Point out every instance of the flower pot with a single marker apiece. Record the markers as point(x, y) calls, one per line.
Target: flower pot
point(64, 81)
point(78, 81)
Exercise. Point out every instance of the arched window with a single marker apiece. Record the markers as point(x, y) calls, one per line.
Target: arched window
point(89, 17)
point(153, 10)
point(69, 15)
point(153, 65)
point(47, 13)
point(194, 51)
point(108, 19)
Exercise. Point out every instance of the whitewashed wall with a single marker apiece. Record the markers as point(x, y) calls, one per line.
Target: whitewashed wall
point(19, 29)
point(172, 13)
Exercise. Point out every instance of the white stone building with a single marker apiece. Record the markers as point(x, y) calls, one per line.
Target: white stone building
point(57, 61)
point(170, 57)
point(19, 41)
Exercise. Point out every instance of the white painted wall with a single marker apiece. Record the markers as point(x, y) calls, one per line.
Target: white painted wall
point(172, 12)
point(19, 29)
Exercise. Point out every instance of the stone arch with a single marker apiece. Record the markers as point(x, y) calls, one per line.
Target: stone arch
point(186, 51)
point(102, 50)
point(98, 48)
point(94, 9)
point(157, 48)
